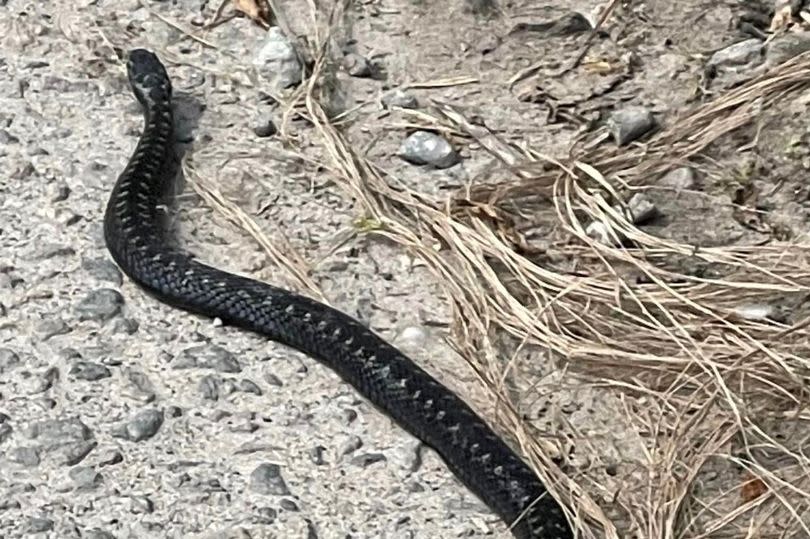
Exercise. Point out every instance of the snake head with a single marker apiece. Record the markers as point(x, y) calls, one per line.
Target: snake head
point(148, 77)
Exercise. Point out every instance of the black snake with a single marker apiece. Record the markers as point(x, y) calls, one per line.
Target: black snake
point(137, 240)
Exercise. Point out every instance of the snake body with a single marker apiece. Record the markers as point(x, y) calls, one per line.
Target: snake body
point(138, 243)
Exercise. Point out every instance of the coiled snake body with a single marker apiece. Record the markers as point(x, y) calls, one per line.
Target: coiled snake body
point(137, 242)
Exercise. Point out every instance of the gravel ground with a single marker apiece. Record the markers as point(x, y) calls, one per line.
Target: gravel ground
point(121, 417)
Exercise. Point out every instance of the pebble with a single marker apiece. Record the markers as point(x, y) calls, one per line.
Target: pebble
point(357, 65)
point(141, 505)
point(103, 270)
point(399, 98)
point(265, 515)
point(89, 371)
point(139, 386)
point(265, 127)
point(100, 305)
point(365, 460)
point(52, 433)
point(739, 54)
point(425, 148)
point(316, 455)
point(350, 445)
point(277, 61)
point(682, 178)
point(9, 360)
point(85, 477)
point(412, 337)
point(52, 327)
point(248, 386)
point(407, 458)
point(39, 524)
point(267, 479)
point(24, 456)
point(207, 357)
point(630, 124)
point(641, 209)
point(6, 431)
point(288, 505)
point(141, 427)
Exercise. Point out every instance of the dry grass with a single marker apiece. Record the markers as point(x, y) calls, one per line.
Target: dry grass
point(702, 390)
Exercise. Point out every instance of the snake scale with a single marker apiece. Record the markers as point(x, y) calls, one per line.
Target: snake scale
point(137, 239)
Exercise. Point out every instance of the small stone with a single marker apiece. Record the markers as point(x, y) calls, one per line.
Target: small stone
point(44, 381)
point(100, 305)
point(357, 66)
point(24, 456)
point(350, 445)
point(425, 148)
point(103, 270)
point(52, 327)
point(407, 458)
point(316, 455)
point(739, 54)
point(207, 357)
point(277, 60)
point(125, 326)
point(110, 457)
point(631, 123)
point(367, 459)
point(269, 377)
point(786, 46)
point(141, 505)
point(39, 524)
point(267, 479)
point(89, 371)
point(139, 386)
point(141, 427)
point(288, 505)
point(5, 432)
point(85, 477)
point(266, 515)
point(641, 209)
point(248, 386)
point(58, 192)
point(413, 337)
point(265, 127)
point(209, 387)
point(9, 360)
point(399, 98)
point(682, 178)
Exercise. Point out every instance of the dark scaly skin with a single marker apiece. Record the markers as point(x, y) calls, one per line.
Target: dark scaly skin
point(391, 381)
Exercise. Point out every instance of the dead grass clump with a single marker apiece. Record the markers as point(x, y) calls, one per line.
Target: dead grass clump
point(717, 400)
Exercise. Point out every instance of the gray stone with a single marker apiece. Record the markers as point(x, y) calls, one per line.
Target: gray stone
point(100, 305)
point(277, 60)
point(39, 525)
point(85, 477)
point(357, 66)
point(425, 148)
point(631, 123)
point(399, 98)
point(267, 479)
point(141, 427)
point(9, 360)
point(743, 53)
point(89, 371)
point(682, 178)
point(207, 357)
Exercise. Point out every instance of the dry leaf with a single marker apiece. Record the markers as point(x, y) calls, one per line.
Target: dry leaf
point(258, 10)
point(753, 489)
point(782, 18)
